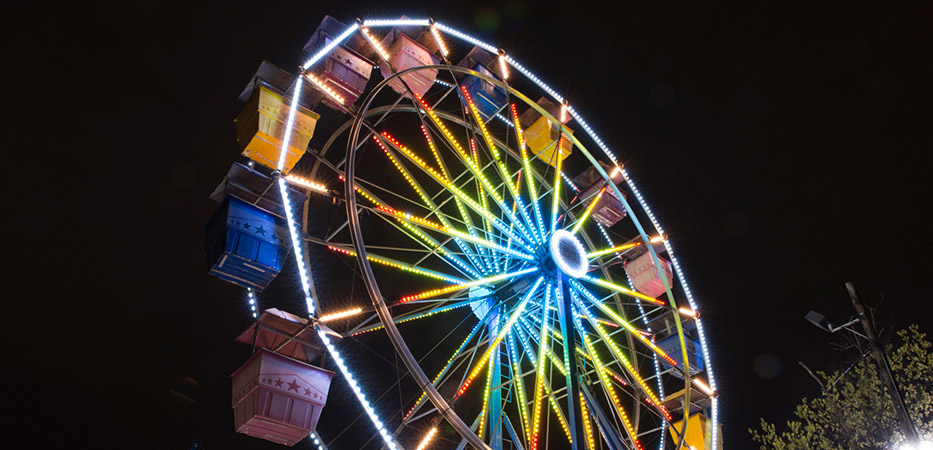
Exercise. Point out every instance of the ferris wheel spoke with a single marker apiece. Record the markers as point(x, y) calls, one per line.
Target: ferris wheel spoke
point(450, 362)
point(456, 234)
point(494, 345)
point(420, 314)
point(555, 189)
point(586, 213)
point(530, 183)
point(421, 192)
point(472, 164)
point(620, 289)
point(399, 265)
point(503, 171)
point(616, 318)
point(467, 220)
point(433, 247)
point(487, 280)
point(518, 378)
point(498, 224)
point(621, 358)
point(607, 384)
point(617, 249)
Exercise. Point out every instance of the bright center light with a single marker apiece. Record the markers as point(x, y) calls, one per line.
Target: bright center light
point(568, 253)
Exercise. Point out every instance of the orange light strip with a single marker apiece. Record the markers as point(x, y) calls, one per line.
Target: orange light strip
point(327, 89)
point(439, 41)
point(306, 183)
point(400, 265)
point(340, 315)
point(376, 45)
point(427, 439)
point(457, 287)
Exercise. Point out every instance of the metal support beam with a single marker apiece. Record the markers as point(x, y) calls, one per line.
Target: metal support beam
point(565, 316)
point(606, 428)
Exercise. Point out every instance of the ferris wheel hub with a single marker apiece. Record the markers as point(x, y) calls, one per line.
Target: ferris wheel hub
point(568, 253)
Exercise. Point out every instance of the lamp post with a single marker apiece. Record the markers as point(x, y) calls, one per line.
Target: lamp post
point(883, 367)
point(877, 352)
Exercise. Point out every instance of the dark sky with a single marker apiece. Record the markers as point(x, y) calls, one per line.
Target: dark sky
point(784, 147)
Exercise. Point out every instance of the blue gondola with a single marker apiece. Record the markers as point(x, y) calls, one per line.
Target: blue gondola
point(671, 346)
point(488, 98)
point(246, 245)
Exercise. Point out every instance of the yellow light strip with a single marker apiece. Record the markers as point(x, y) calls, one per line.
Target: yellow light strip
point(539, 379)
point(327, 89)
point(434, 244)
point(340, 315)
point(306, 183)
point(589, 209)
point(440, 163)
point(532, 191)
point(587, 426)
point(486, 393)
point(557, 412)
point(443, 181)
point(519, 385)
point(502, 168)
point(399, 265)
point(623, 290)
point(614, 349)
point(457, 287)
point(612, 250)
point(603, 376)
point(555, 192)
point(452, 232)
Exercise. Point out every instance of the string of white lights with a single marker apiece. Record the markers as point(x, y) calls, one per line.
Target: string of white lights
point(296, 244)
point(306, 280)
point(327, 48)
point(396, 22)
point(252, 301)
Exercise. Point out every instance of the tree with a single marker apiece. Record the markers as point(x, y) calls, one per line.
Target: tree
point(855, 411)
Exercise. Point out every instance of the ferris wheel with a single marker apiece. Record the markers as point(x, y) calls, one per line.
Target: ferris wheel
point(510, 260)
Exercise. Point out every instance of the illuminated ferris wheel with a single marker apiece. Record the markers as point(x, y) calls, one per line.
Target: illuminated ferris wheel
point(511, 262)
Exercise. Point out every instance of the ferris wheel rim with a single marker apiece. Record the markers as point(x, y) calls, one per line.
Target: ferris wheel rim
point(592, 135)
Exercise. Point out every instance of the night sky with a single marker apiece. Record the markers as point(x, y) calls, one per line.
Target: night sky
point(785, 149)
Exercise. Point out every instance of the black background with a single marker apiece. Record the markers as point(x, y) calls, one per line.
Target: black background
point(784, 147)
